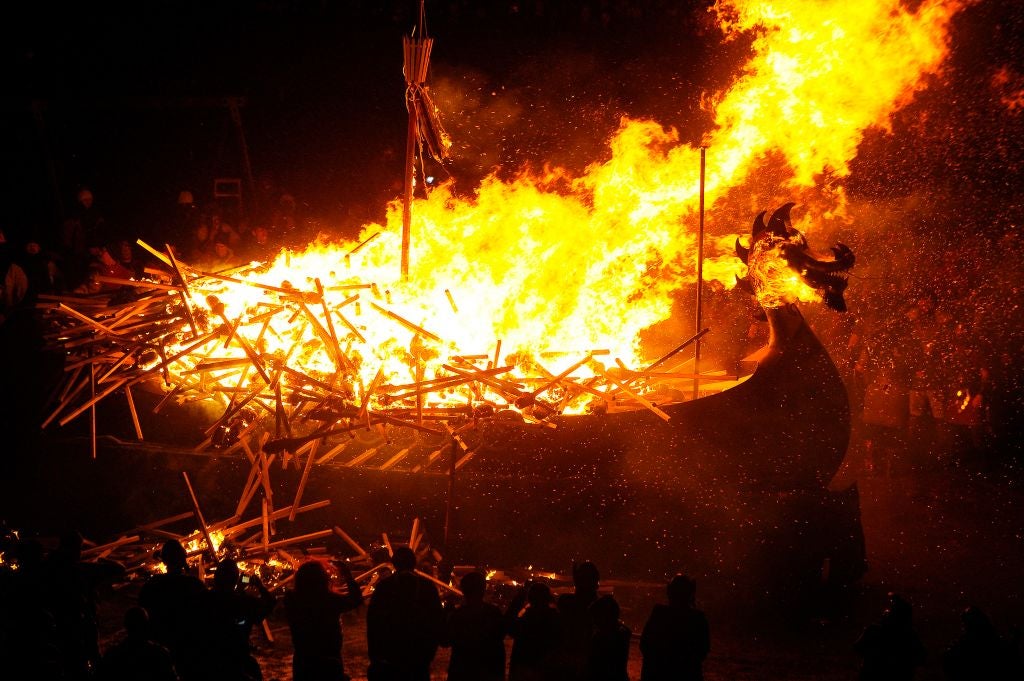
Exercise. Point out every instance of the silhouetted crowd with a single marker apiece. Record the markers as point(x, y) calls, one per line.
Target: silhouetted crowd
point(183, 628)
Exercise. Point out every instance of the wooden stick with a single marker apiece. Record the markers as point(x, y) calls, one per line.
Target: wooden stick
point(135, 414)
point(335, 349)
point(160, 523)
point(118, 364)
point(155, 253)
point(350, 541)
point(369, 392)
point(415, 328)
point(560, 376)
point(292, 540)
point(266, 525)
point(622, 386)
point(252, 483)
point(305, 477)
point(86, 381)
point(89, 320)
point(111, 545)
point(437, 581)
point(349, 324)
point(293, 293)
point(401, 454)
point(333, 451)
point(275, 515)
point(677, 349)
point(436, 384)
point(358, 247)
point(414, 538)
point(199, 518)
point(137, 283)
point(175, 357)
point(186, 297)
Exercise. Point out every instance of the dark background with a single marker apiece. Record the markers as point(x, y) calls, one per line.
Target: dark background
point(128, 100)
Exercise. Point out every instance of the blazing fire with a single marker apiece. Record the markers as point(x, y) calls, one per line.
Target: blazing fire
point(551, 275)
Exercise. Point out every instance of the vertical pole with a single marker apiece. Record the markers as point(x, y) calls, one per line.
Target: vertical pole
point(410, 180)
point(236, 118)
point(700, 279)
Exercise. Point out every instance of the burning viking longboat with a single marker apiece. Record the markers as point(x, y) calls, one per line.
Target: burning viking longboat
point(728, 483)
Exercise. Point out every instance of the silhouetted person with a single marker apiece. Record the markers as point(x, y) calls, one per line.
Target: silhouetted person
point(574, 616)
point(536, 631)
point(137, 658)
point(313, 609)
point(475, 631)
point(891, 648)
point(173, 602)
point(72, 583)
point(231, 610)
point(29, 648)
point(980, 653)
point(608, 656)
point(403, 623)
point(676, 638)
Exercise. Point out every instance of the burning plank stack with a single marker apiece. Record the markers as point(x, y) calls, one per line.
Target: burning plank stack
point(301, 369)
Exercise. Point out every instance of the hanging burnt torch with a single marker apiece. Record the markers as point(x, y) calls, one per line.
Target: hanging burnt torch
point(425, 129)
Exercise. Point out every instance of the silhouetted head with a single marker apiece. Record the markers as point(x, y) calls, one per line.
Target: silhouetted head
point(172, 554)
point(70, 545)
point(899, 611)
point(585, 577)
point(136, 623)
point(682, 591)
point(403, 559)
point(605, 612)
point(473, 586)
point(539, 595)
point(311, 578)
point(226, 577)
point(976, 623)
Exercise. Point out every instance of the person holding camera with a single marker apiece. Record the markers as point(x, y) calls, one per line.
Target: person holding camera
point(313, 609)
point(232, 608)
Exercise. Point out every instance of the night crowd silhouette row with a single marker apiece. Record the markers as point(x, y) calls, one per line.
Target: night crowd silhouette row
point(183, 629)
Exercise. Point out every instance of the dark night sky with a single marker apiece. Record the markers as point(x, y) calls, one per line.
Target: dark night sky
point(324, 114)
point(323, 87)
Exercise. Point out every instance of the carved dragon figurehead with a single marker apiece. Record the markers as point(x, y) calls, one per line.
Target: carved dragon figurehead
point(782, 269)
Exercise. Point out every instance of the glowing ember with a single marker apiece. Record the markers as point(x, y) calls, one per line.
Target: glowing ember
point(198, 544)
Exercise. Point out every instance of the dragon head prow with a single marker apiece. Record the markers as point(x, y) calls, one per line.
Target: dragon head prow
point(782, 269)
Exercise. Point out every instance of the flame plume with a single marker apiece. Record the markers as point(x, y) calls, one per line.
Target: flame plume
point(564, 263)
point(553, 262)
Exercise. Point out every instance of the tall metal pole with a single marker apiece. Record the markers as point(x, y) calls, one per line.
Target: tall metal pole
point(700, 280)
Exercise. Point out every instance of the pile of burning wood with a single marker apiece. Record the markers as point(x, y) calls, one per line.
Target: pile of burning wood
point(290, 366)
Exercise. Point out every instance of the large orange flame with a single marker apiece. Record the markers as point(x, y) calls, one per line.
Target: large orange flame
point(552, 262)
